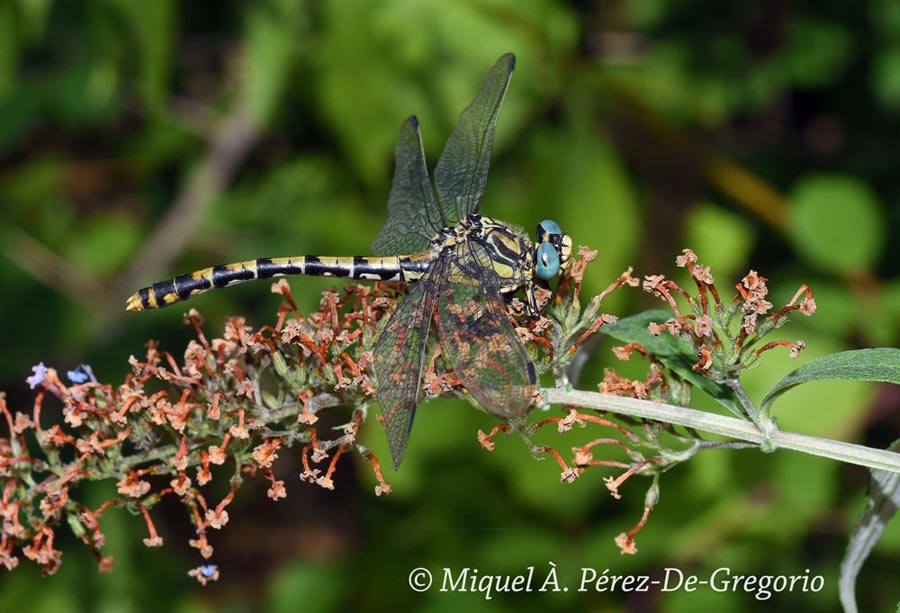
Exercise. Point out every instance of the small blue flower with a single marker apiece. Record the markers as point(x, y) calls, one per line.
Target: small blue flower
point(81, 374)
point(208, 570)
point(40, 372)
point(76, 376)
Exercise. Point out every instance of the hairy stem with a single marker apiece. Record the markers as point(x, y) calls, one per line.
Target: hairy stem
point(727, 426)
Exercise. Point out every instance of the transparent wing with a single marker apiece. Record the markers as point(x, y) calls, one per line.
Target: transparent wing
point(413, 215)
point(478, 339)
point(398, 359)
point(461, 173)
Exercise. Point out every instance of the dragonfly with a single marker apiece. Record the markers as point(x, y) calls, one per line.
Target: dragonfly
point(458, 265)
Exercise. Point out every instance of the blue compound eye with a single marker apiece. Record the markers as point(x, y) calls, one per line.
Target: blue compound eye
point(551, 227)
point(547, 227)
point(547, 265)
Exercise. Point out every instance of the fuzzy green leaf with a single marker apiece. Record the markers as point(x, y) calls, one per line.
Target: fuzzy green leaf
point(673, 352)
point(881, 364)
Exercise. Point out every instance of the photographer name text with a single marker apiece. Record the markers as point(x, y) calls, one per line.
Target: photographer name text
point(533, 579)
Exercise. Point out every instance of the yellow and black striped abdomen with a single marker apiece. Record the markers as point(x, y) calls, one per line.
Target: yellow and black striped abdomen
point(182, 287)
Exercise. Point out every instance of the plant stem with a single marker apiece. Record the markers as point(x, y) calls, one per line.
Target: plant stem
point(727, 426)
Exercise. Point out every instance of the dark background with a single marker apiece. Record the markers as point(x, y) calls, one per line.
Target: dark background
point(144, 139)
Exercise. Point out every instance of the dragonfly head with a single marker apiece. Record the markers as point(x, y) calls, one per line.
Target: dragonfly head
point(553, 253)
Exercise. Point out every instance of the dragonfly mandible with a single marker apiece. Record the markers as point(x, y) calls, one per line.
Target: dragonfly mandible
point(459, 264)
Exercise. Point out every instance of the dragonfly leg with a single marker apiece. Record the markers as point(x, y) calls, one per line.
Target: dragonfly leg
point(531, 300)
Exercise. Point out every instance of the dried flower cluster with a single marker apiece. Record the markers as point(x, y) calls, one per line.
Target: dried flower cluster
point(724, 340)
point(231, 405)
point(712, 330)
point(233, 401)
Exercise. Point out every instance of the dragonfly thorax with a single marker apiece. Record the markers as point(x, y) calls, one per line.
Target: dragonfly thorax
point(506, 252)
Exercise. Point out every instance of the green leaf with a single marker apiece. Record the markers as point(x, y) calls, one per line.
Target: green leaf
point(839, 406)
point(151, 25)
point(9, 49)
point(885, 77)
point(817, 51)
point(645, 13)
point(407, 58)
point(673, 352)
point(274, 32)
point(881, 364)
point(881, 506)
point(308, 585)
point(836, 223)
point(104, 245)
point(884, 17)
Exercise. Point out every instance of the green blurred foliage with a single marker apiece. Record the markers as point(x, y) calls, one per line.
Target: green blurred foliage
point(615, 113)
point(836, 223)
